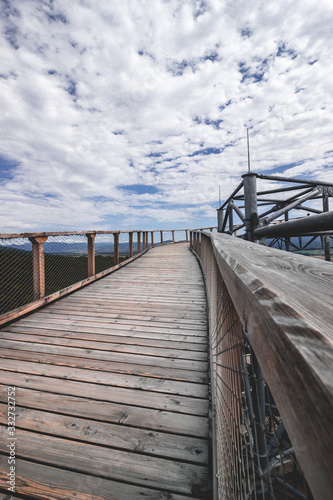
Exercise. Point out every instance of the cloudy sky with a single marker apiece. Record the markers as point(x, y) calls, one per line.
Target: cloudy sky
point(130, 114)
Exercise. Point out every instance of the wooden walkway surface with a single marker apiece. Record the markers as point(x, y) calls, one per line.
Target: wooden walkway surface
point(112, 387)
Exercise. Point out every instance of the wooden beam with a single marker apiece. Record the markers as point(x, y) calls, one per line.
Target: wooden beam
point(116, 248)
point(38, 264)
point(130, 244)
point(91, 254)
point(139, 242)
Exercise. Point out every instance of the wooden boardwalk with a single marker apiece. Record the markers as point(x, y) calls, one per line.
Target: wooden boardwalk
point(112, 387)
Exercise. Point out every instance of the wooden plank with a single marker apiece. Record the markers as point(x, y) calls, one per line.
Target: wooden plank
point(127, 318)
point(109, 463)
point(163, 352)
point(139, 309)
point(44, 482)
point(144, 418)
point(60, 357)
point(121, 357)
point(101, 320)
point(112, 435)
point(110, 379)
point(127, 314)
point(109, 326)
point(127, 396)
point(142, 338)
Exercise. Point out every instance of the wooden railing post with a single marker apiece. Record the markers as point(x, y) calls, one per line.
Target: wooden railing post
point(91, 254)
point(152, 238)
point(173, 236)
point(38, 266)
point(161, 237)
point(144, 240)
point(191, 239)
point(115, 249)
point(139, 242)
point(186, 231)
point(130, 244)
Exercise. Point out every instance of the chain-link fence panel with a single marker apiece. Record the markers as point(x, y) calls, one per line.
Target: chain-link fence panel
point(16, 283)
point(104, 252)
point(66, 261)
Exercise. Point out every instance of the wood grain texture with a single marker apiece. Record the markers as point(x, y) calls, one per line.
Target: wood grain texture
point(285, 302)
point(112, 386)
point(45, 482)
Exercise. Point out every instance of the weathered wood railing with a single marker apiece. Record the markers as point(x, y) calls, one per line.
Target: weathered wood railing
point(271, 364)
point(30, 282)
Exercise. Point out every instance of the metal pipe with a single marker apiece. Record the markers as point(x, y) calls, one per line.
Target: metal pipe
point(237, 210)
point(327, 239)
point(308, 209)
point(296, 196)
point(298, 181)
point(225, 218)
point(292, 205)
point(280, 190)
point(220, 215)
point(291, 489)
point(250, 201)
point(238, 188)
point(231, 219)
point(314, 224)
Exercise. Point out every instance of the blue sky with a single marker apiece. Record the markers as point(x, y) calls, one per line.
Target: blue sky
point(131, 114)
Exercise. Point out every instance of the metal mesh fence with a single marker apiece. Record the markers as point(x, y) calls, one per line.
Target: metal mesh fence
point(66, 261)
point(16, 282)
point(255, 458)
point(104, 248)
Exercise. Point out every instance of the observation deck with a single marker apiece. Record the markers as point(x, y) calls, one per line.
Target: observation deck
point(198, 369)
point(112, 386)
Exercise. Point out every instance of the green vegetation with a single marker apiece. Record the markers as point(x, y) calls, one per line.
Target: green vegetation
point(61, 271)
point(16, 286)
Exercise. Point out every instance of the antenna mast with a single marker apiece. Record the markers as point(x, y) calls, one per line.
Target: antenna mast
point(248, 152)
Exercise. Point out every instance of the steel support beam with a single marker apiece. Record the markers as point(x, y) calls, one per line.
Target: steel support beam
point(250, 202)
point(320, 222)
point(292, 205)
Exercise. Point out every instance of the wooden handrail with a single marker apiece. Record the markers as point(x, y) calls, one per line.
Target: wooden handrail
point(5, 236)
point(285, 302)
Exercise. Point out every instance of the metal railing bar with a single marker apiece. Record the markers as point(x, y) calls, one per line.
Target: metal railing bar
point(238, 188)
point(292, 179)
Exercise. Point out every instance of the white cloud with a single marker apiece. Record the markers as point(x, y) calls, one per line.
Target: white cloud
point(91, 91)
